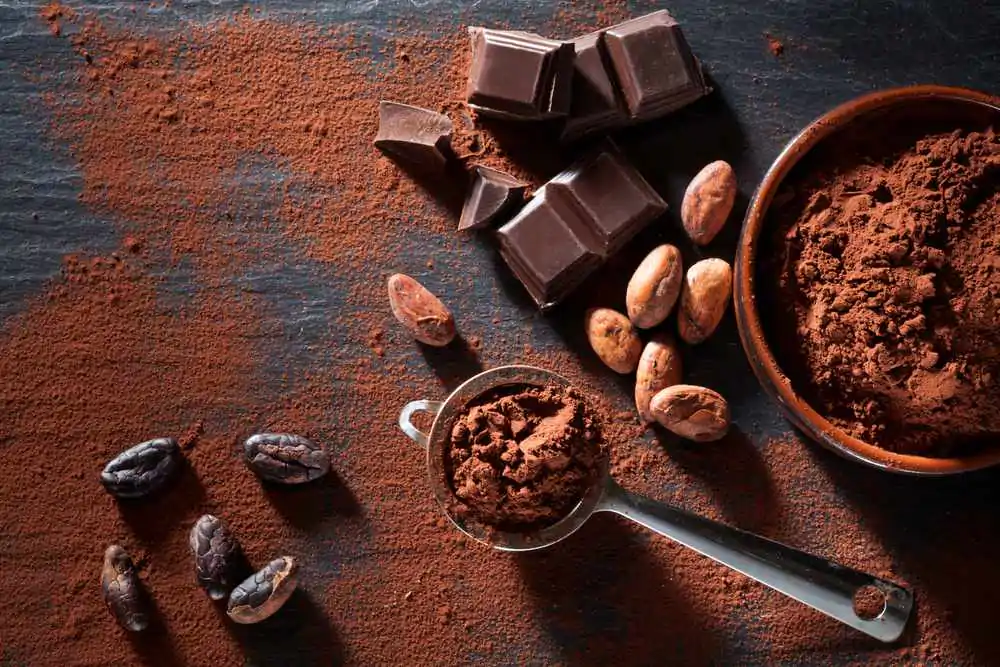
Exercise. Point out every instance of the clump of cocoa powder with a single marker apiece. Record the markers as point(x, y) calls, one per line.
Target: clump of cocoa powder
point(520, 458)
point(888, 263)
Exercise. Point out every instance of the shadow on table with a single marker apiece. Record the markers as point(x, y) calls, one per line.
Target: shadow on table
point(943, 535)
point(606, 601)
point(307, 505)
point(300, 634)
point(735, 474)
point(453, 364)
point(154, 644)
point(152, 519)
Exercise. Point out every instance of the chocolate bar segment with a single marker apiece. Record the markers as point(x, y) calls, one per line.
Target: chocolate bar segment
point(613, 196)
point(517, 74)
point(544, 249)
point(492, 195)
point(420, 137)
point(595, 102)
point(575, 222)
point(654, 66)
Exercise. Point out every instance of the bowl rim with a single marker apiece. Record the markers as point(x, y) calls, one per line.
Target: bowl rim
point(775, 383)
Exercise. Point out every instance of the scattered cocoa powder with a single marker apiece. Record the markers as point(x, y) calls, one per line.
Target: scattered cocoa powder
point(520, 458)
point(108, 356)
point(890, 264)
point(774, 45)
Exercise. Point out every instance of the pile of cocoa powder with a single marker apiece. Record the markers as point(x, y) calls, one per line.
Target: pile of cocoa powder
point(167, 336)
point(520, 458)
point(888, 261)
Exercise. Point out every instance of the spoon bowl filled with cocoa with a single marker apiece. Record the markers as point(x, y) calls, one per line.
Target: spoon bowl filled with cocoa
point(867, 277)
point(517, 461)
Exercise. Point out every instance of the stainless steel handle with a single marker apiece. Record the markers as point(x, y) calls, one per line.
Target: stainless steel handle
point(418, 436)
point(821, 584)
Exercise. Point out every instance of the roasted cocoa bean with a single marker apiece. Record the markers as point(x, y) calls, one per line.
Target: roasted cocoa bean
point(218, 558)
point(264, 592)
point(285, 458)
point(142, 469)
point(123, 593)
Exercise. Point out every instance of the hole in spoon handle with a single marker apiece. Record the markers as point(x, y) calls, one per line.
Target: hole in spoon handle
point(406, 416)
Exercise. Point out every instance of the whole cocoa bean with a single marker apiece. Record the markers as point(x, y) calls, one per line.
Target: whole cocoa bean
point(695, 413)
point(659, 367)
point(613, 338)
point(123, 593)
point(708, 201)
point(420, 312)
point(218, 558)
point(264, 592)
point(704, 298)
point(285, 458)
point(654, 287)
point(142, 469)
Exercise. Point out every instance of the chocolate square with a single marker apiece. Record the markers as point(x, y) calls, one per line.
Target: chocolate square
point(543, 249)
point(614, 197)
point(654, 65)
point(520, 75)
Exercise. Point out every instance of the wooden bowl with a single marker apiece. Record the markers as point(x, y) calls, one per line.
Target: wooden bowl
point(964, 104)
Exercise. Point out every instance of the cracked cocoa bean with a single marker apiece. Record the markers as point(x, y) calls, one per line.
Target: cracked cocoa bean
point(285, 458)
point(123, 593)
point(141, 470)
point(264, 592)
point(218, 556)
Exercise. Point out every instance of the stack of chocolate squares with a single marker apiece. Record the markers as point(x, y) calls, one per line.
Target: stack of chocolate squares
point(628, 73)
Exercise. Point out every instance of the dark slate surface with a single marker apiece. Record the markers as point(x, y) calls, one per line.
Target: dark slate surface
point(834, 50)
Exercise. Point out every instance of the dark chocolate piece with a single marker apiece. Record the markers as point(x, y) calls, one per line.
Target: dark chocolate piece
point(418, 136)
point(493, 194)
point(575, 222)
point(517, 74)
point(654, 66)
point(596, 103)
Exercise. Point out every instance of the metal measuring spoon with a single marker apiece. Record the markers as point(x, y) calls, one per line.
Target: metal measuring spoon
point(821, 584)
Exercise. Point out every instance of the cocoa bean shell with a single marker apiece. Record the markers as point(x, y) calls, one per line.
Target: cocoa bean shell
point(142, 469)
point(659, 368)
point(423, 315)
point(218, 556)
point(264, 592)
point(613, 338)
point(123, 593)
point(285, 458)
point(695, 413)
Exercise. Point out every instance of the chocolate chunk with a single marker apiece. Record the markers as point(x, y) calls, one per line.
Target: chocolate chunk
point(519, 75)
point(493, 194)
point(654, 66)
point(575, 222)
point(596, 103)
point(417, 136)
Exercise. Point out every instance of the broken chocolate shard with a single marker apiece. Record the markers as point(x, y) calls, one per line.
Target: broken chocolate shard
point(654, 66)
point(419, 137)
point(575, 222)
point(493, 194)
point(517, 74)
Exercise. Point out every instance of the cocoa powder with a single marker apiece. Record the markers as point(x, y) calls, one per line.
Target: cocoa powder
point(519, 459)
point(889, 266)
point(170, 343)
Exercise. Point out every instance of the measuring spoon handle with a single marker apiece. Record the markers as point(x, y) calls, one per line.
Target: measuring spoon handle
point(816, 582)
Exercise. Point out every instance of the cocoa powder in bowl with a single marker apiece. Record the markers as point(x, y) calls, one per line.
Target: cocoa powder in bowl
point(885, 254)
point(521, 457)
